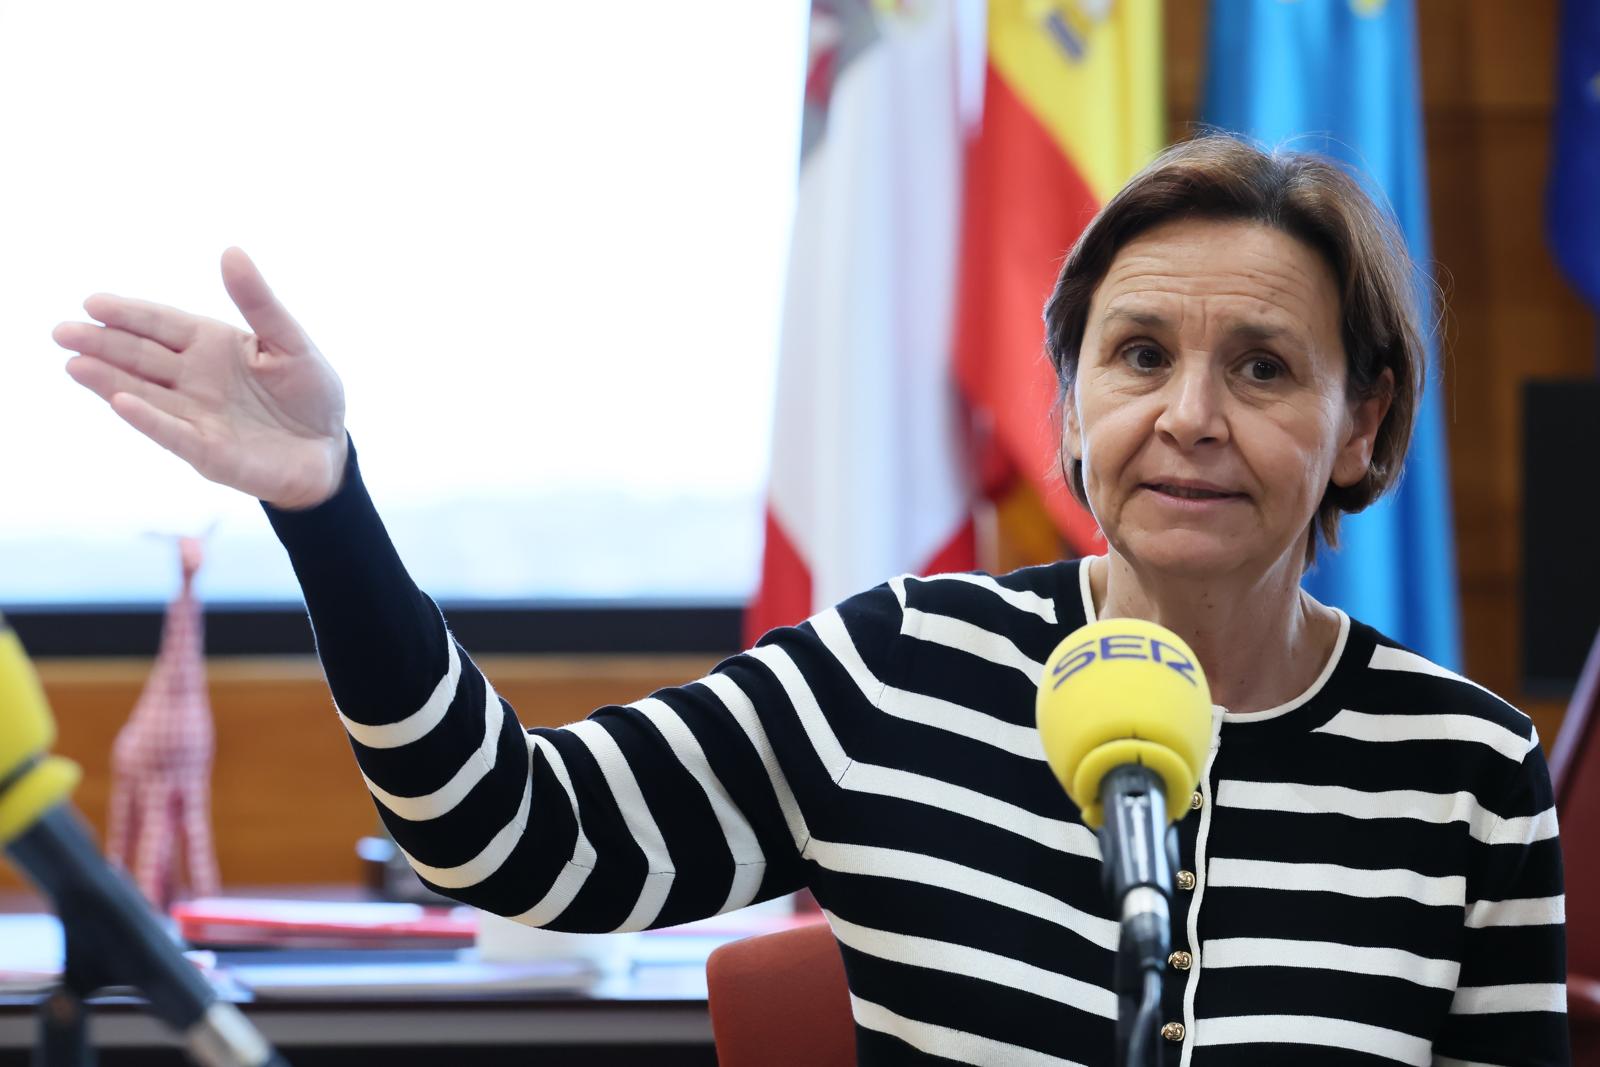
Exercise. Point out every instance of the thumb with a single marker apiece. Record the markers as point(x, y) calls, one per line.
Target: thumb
point(269, 319)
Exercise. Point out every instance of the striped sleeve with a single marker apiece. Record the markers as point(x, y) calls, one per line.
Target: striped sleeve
point(1510, 1003)
point(684, 804)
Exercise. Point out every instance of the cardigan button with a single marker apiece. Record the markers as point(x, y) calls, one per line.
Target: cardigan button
point(1196, 801)
point(1172, 1031)
point(1180, 960)
point(1186, 880)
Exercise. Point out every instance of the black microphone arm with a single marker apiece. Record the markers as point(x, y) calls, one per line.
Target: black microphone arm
point(114, 939)
point(1139, 853)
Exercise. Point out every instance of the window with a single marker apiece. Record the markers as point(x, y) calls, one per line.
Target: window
point(543, 245)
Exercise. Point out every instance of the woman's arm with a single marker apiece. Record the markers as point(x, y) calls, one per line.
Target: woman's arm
point(1510, 1001)
point(691, 802)
point(678, 806)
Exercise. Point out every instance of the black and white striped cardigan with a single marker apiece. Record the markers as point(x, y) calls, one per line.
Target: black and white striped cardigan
point(1373, 870)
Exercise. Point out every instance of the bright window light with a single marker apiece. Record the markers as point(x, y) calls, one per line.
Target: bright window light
point(543, 245)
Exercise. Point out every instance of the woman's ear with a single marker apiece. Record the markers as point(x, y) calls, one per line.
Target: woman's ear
point(1071, 435)
point(1354, 458)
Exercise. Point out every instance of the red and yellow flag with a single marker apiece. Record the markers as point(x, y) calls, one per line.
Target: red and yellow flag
point(1072, 108)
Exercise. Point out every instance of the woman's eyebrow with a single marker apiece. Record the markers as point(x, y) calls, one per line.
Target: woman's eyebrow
point(1149, 320)
point(1257, 331)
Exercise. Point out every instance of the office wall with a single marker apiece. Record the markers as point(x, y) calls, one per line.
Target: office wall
point(288, 803)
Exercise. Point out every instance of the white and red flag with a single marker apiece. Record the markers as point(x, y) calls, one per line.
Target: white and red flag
point(870, 476)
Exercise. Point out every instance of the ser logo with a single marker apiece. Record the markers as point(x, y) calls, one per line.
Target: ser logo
point(1121, 646)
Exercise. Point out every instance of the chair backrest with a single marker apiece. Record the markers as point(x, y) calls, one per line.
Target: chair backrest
point(780, 1000)
point(1575, 774)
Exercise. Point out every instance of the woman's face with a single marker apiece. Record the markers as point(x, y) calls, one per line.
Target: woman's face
point(1209, 407)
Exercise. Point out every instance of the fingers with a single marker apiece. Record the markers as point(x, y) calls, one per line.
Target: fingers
point(137, 355)
point(161, 324)
point(267, 317)
point(170, 432)
point(106, 381)
point(148, 406)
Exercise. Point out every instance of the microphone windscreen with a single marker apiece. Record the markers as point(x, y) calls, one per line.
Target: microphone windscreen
point(1123, 691)
point(31, 782)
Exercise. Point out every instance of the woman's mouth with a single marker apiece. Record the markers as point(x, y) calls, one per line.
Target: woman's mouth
point(1191, 493)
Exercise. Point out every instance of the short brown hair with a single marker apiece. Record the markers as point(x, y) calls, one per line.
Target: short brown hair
point(1309, 197)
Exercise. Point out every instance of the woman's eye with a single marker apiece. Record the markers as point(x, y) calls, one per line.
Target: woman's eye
point(1143, 357)
point(1264, 370)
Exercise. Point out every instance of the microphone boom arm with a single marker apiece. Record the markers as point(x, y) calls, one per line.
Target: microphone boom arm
point(1138, 851)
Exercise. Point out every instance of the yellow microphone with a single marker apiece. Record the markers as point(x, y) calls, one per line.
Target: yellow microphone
point(111, 935)
point(1124, 691)
point(31, 781)
point(1124, 717)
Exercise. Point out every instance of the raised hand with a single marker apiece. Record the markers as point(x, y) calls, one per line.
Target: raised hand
point(261, 412)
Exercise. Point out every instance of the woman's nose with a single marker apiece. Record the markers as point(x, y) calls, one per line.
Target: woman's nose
point(1192, 412)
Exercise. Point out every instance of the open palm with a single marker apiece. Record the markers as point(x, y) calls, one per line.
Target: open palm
point(261, 412)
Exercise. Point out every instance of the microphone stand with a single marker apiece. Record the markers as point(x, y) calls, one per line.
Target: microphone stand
point(112, 939)
point(1139, 854)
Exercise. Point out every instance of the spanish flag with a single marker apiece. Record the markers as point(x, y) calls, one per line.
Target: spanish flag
point(1072, 107)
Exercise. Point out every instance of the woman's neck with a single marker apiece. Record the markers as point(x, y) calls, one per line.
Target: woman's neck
point(1261, 639)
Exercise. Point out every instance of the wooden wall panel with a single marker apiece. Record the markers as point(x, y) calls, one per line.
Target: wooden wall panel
point(1488, 82)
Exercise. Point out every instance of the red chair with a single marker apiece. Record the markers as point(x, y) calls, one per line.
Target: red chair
point(1575, 774)
point(780, 1000)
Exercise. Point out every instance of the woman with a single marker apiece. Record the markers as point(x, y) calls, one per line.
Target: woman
point(1370, 871)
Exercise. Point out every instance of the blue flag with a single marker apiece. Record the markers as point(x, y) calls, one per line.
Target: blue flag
point(1340, 77)
point(1573, 204)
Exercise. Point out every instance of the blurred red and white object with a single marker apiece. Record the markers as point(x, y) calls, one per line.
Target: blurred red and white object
point(238, 922)
point(869, 475)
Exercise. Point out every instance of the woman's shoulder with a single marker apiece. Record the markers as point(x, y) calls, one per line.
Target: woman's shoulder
point(1414, 696)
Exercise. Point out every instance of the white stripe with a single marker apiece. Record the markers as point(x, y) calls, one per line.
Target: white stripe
point(1526, 911)
point(875, 862)
point(976, 963)
point(474, 770)
point(1073, 838)
point(1364, 726)
point(933, 712)
point(1444, 891)
point(818, 731)
point(749, 861)
point(1315, 1030)
point(1331, 956)
point(1437, 808)
point(955, 718)
point(576, 870)
point(1524, 829)
point(1499, 999)
point(743, 711)
point(1385, 658)
point(948, 1044)
point(418, 723)
point(636, 816)
point(835, 638)
point(1086, 592)
point(485, 862)
point(970, 638)
point(1021, 599)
